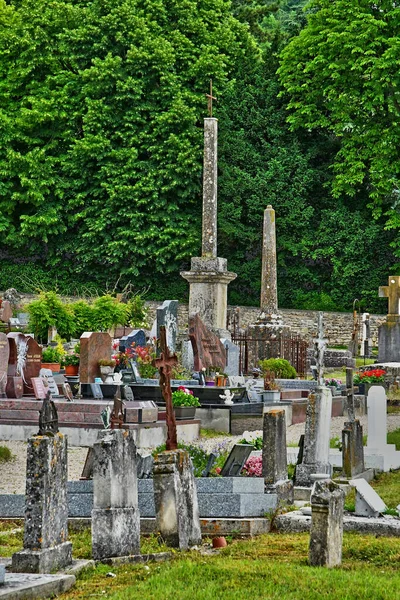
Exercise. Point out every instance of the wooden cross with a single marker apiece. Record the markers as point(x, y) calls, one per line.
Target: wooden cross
point(210, 99)
point(392, 291)
point(164, 364)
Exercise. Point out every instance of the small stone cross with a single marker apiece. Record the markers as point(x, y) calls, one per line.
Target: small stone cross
point(319, 350)
point(392, 291)
point(164, 364)
point(210, 99)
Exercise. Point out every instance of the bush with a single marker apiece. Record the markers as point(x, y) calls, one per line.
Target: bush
point(49, 311)
point(281, 367)
point(5, 454)
point(51, 354)
point(107, 312)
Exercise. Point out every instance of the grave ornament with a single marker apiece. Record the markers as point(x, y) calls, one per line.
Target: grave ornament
point(48, 417)
point(164, 364)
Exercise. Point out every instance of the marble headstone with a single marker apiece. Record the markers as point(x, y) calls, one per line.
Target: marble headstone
point(4, 356)
point(167, 315)
point(94, 347)
point(208, 350)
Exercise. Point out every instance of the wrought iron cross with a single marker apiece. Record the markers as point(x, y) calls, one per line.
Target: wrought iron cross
point(210, 98)
point(164, 364)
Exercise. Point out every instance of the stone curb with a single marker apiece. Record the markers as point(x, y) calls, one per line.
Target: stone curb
point(135, 558)
point(22, 586)
point(296, 522)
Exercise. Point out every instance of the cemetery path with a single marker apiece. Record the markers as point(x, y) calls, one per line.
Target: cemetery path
point(12, 473)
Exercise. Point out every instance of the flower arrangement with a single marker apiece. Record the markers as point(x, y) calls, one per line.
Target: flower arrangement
point(144, 356)
point(333, 382)
point(70, 360)
point(104, 362)
point(184, 397)
point(374, 376)
point(253, 467)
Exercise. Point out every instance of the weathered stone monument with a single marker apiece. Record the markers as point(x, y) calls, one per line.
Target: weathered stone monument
point(365, 335)
point(269, 289)
point(209, 277)
point(5, 311)
point(274, 457)
point(46, 546)
point(4, 356)
point(318, 418)
point(167, 316)
point(389, 332)
point(232, 367)
point(208, 349)
point(115, 515)
point(326, 535)
point(378, 452)
point(352, 434)
point(94, 346)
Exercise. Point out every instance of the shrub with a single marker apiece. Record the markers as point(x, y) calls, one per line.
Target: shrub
point(49, 311)
point(5, 454)
point(184, 397)
point(51, 354)
point(107, 312)
point(281, 367)
point(71, 360)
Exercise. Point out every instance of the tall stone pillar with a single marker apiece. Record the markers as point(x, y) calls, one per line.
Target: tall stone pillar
point(269, 292)
point(209, 277)
point(274, 456)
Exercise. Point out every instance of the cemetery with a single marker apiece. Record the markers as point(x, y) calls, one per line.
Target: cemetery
point(182, 427)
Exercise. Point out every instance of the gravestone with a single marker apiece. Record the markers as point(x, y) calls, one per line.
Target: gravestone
point(352, 434)
point(326, 535)
point(46, 548)
point(175, 499)
point(187, 355)
point(167, 315)
point(5, 311)
point(4, 356)
point(378, 452)
point(232, 358)
point(368, 502)
point(16, 364)
point(115, 515)
point(32, 364)
point(2, 574)
point(208, 350)
point(366, 335)
point(40, 387)
point(389, 332)
point(48, 376)
point(94, 347)
point(274, 456)
point(236, 460)
point(137, 337)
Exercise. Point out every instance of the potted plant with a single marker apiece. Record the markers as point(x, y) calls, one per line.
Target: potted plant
point(365, 379)
point(272, 391)
point(51, 358)
point(334, 384)
point(184, 403)
point(106, 367)
point(71, 364)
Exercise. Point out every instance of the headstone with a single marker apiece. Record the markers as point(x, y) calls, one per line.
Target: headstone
point(24, 362)
point(32, 364)
point(232, 358)
point(48, 376)
point(23, 319)
point(40, 387)
point(236, 460)
point(274, 456)
point(96, 391)
point(5, 311)
point(326, 535)
point(115, 515)
point(137, 337)
point(389, 332)
point(352, 434)
point(208, 350)
point(167, 315)
point(46, 548)
point(368, 502)
point(2, 574)
point(94, 347)
point(187, 355)
point(145, 466)
point(317, 436)
point(366, 335)
point(4, 356)
point(378, 452)
point(175, 499)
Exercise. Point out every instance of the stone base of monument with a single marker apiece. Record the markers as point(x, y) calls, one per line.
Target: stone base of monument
point(383, 459)
point(389, 341)
point(115, 532)
point(305, 470)
point(48, 560)
point(283, 489)
point(27, 585)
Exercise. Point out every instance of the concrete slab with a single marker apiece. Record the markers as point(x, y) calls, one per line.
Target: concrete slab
point(27, 586)
point(368, 502)
point(296, 522)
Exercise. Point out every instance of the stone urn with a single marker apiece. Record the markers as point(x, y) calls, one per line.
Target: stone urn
point(106, 374)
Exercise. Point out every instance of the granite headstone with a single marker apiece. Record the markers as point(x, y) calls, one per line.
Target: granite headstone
point(94, 347)
point(4, 356)
point(137, 337)
point(167, 315)
point(232, 358)
point(32, 364)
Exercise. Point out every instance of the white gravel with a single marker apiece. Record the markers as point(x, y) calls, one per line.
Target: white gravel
point(12, 473)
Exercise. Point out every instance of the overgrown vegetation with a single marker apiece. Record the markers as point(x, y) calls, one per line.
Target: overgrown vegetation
point(5, 454)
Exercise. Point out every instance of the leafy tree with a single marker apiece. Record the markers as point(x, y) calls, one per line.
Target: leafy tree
point(341, 75)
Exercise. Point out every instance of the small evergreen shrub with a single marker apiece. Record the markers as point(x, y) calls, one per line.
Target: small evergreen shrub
point(281, 367)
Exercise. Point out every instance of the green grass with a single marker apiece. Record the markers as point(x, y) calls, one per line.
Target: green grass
point(393, 437)
point(272, 566)
point(210, 433)
point(388, 487)
point(5, 454)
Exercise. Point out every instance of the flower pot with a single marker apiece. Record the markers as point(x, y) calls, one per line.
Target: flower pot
point(219, 542)
point(184, 412)
point(271, 396)
point(55, 367)
point(71, 369)
point(210, 383)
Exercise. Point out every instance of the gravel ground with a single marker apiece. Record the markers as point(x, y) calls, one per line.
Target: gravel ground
point(12, 473)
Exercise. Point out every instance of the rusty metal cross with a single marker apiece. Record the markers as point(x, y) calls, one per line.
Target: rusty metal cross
point(164, 364)
point(210, 98)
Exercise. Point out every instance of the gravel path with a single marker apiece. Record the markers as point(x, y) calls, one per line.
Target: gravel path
point(12, 473)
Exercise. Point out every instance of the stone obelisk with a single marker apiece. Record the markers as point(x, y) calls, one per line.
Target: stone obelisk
point(269, 293)
point(209, 277)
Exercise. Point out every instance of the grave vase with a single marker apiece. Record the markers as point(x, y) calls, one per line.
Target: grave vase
point(55, 367)
point(184, 412)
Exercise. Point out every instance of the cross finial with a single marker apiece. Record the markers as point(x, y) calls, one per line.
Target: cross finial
point(210, 98)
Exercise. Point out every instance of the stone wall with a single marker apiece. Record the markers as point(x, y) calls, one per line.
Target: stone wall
point(338, 325)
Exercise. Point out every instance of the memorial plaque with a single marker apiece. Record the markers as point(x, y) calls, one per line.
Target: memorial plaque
point(4, 356)
point(94, 347)
point(96, 391)
point(48, 376)
point(208, 350)
point(66, 388)
point(40, 387)
point(128, 393)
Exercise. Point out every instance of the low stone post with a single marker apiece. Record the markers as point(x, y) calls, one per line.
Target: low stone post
point(326, 535)
point(46, 548)
point(115, 515)
point(175, 498)
point(274, 456)
point(352, 448)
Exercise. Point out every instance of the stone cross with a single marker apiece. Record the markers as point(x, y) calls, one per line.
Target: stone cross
point(350, 394)
point(319, 350)
point(269, 295)
point(164, 364)
point(210, 98)
point(209, 233)
point(392, 291)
